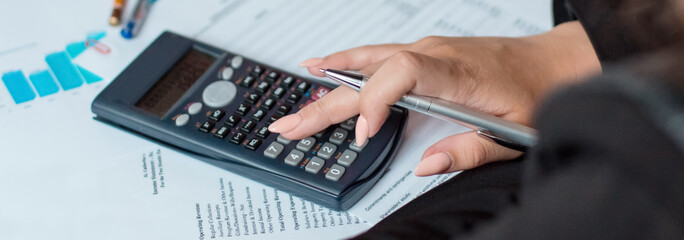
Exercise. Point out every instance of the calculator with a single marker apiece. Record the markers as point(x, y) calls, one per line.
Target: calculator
point(216, 106)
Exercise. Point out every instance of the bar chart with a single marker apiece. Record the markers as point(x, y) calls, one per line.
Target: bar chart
point(62, 74)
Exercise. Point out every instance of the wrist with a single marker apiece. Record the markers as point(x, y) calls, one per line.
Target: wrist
point(558, 57)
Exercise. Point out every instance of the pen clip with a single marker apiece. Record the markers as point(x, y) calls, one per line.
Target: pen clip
point(501, 141)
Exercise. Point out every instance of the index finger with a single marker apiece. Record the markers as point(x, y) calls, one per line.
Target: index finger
point(336, 106)
point(355, 58)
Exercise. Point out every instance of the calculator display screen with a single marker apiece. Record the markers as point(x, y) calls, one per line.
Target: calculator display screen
point(177, 80)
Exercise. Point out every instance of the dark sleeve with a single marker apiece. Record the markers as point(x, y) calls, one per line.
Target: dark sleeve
point(562, 12)
point(609, 165)
point(621, 29)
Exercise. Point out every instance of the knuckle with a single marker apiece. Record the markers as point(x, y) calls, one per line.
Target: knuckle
point(480, 153)
point(429, 42)
point(319, 111)
point(366, 47)
point(406, 60)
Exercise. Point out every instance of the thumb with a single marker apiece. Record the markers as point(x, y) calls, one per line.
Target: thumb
point(460, 152)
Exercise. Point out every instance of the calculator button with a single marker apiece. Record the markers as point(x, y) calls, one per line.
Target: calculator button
point(253, 98)
point(293, 98)
point(259, 114)
point(288, 81)
point(335, 172)
point(195, 108)
point(222, 132)
point(236, 62)
point(347, 158)
point(206, 126)
point(217, 114)
point(319, 134)
point(306, 144)
point(243, 109)
point(263, 87)
point(319, 93)
point(263, 132)
point(349, 124)
point(294, 157)
point(283, 140)
point(327, 150)
point(232, 120)
point(253, 144)
point(248, 126)
point(273, 75)
point(257, 71)
point(357, 148)
point(338, 136)
point(268, 103)
point(237, 138)
point(314, 165)
point(273, 150)
point(283, 109)
point(248, 81)
point(279, 92)
point(182, 119)
point(274, 118)
point(303, 86)
point(227, 73)
point(219, 94)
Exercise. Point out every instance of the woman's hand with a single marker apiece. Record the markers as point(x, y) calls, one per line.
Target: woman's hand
point(505, 77)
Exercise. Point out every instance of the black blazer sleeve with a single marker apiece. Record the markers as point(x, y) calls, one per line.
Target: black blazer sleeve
point(620, 29)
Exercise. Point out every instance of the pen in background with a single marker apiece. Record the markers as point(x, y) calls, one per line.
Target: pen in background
point(115, 19)
point(136, 21)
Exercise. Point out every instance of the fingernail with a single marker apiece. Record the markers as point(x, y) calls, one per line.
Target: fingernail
point(361, 131)
point(434, 164)
point(285, 124)
point(311, 62)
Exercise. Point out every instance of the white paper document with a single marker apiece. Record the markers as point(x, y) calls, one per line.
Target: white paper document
point(64, 175)
point(156, 193)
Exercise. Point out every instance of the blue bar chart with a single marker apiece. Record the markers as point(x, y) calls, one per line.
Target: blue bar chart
point(18, 86)
point(62, 74)
point(44, 83)
point(64, 70)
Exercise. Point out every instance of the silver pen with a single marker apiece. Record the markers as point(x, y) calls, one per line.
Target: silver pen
point(506, 133)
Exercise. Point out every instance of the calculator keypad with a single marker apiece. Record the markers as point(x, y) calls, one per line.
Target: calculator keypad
point(222, 132)
point(335, 173)
point(327, 150)
point(283, 140)
point(306, 144)
point(357, 148)
point(338, 136)
point(268, 95)
point(294, 157)
point(237, 138)
point(248, 81)
point(232, 120)
point(206, 126)
point(315, 165)
point(273, 150)
point(253, 144)
point(243, 109)
point(347, 158)
point(217, 114)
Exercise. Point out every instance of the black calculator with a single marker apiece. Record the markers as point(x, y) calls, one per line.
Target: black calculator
point(216, 106)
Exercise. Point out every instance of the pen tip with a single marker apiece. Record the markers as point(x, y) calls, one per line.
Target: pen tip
point(321, 70)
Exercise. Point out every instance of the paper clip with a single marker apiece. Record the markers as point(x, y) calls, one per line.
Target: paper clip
point(98, 46)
